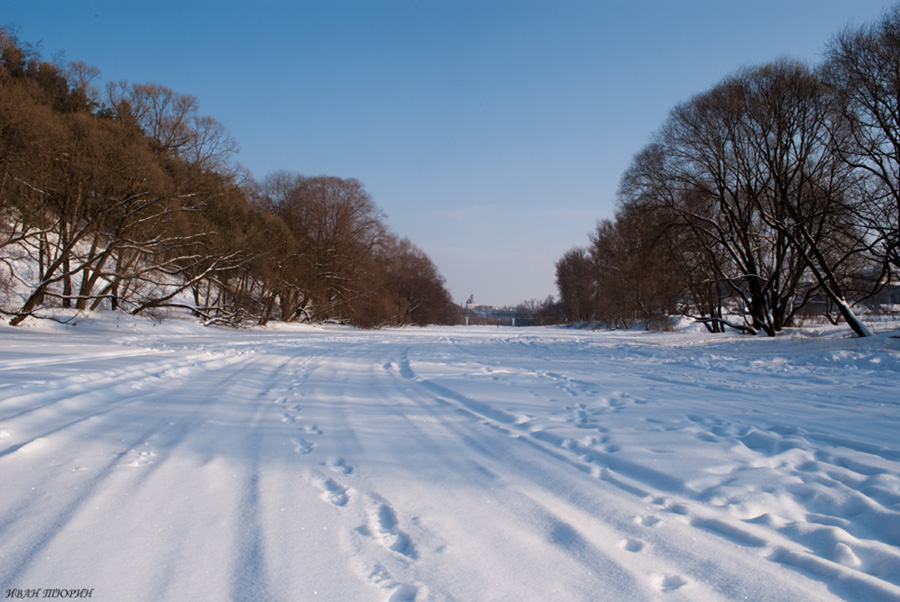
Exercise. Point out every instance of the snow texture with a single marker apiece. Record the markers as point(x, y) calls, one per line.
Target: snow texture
point(171, 462)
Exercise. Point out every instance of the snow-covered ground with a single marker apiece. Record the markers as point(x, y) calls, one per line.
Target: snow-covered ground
point(173, 462)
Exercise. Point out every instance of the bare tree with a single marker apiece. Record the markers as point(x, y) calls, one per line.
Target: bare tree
point(862, 72)
point(136, 203)
point(413, 287)
point(636, 275)
point(337, 230)
point(811, 200)
point(576, 283)
point(101, 215)
point(751, 172)
point(172, 123)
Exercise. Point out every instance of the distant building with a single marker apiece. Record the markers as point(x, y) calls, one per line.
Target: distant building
point(490, 315)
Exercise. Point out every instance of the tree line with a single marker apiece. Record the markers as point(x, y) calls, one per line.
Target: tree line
point(129, 199)
point(773, 192)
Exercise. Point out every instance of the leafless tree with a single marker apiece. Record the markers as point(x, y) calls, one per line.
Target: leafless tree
point(750, 171)
point(576, 283)
point(137, 203)
point(862, 72)
point(337, 229)
point(413, 287)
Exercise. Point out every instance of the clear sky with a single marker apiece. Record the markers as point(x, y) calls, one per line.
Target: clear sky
point(492, 133)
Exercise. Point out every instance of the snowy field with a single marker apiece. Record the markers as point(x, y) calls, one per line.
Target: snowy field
point(181, 463)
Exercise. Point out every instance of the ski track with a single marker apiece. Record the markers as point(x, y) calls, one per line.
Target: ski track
point(450, 464)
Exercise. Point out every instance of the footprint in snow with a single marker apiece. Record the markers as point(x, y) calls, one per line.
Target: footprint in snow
point(404, 593)
point(678, 509)
point(302, 446)
point(334, 493)
point(665, 504)
point(383, 526)
point(668, 583)
point(632, 545)
point(647, 521)
point(339, 465)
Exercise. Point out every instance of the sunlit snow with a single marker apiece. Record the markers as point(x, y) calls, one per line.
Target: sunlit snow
point(174, 462)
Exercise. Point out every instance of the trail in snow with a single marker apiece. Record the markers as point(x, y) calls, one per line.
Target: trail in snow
point(180, 463)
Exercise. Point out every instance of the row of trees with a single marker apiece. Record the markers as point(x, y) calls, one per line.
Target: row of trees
point(777, 189)
point(130, 199)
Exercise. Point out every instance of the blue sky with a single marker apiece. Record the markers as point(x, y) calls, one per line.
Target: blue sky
point(492, 133)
